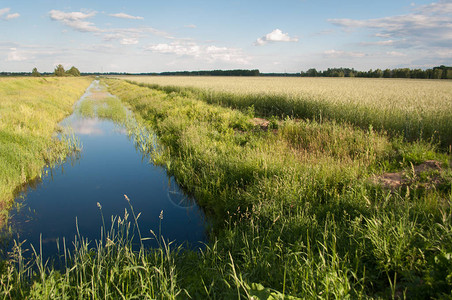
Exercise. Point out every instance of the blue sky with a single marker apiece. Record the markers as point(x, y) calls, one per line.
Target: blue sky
point(272, 36)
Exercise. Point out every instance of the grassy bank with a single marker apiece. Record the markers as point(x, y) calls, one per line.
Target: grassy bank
point(296, 208)
point(297, 212)
point(30, 109)
point(411, 108)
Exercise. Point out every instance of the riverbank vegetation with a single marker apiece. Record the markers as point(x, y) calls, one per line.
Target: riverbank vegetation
point(301, 206)
point(30, 109)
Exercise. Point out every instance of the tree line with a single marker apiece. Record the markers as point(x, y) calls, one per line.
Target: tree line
point(441, 72)
point(59, 71)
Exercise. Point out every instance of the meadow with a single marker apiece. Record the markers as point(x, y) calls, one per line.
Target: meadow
point(30, 109)
point(296, 206)
point(412, 108)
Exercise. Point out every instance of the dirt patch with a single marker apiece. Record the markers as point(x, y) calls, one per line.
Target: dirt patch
point(262, 123)
point(426, 175)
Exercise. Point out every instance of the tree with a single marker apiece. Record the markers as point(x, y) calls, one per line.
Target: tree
point(73, 71)
point(311, 72)
point(35, 72)
point(377, 73)
point(59, 70)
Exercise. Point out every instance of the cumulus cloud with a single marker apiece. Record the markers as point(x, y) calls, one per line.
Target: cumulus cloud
point(426, 26)
point(340, 53)
point(126, 16)
point(210, 53)
point(5, 16)
point(16, 55)
point(275, 36)
point(75, 20)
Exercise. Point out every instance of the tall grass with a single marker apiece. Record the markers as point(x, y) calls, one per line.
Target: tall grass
point(295, 215)
point(30, 109)
point(294, 209)
point(112, 267)
point(411, 108)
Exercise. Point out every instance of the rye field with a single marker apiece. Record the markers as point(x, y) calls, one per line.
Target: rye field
point(313, 188)
point(416, 109)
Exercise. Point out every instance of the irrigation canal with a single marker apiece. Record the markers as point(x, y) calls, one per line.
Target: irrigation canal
point(108, 167)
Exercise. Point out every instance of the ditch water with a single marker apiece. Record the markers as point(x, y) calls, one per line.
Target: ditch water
point(108, 167)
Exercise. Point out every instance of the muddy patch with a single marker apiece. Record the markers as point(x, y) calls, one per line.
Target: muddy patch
point(425, 175)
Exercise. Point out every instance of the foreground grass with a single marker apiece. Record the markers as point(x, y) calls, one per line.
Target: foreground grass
point(413, 108)
point(30, 109)
point(295, 209)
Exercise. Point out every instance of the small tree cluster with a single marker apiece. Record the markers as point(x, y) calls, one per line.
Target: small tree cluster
point(59, 71)
point(35, 72)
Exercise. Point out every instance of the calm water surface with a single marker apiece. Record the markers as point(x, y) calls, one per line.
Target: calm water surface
point(108, 167)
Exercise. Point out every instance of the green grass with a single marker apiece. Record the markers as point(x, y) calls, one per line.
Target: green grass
point(30, 109)
point(294, 212)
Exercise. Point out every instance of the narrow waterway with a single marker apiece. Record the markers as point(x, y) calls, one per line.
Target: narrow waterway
point(108, 167)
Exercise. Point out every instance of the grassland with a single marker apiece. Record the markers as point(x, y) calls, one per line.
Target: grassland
point(296, 209)
point(30, 109)
point(297, 212)
point(411, 108)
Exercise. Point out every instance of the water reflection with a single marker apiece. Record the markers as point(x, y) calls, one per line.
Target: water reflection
point(86, 127)
point(110, 165)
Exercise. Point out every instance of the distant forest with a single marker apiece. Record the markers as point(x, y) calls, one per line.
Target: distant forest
point(441, 72)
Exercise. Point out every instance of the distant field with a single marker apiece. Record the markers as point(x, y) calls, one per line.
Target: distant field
point(414, 108)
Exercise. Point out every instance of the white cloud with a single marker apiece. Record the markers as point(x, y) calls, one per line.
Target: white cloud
point(129, 41)
point(16, 55)
point(190, 26)
point(209, 53)
point(426, 27)
point(126, 16)
point(340, 53)
point(75, 20)
point(396, 54)
point(4, 14)
point(275, 36)
point(12, 16)
point(379, 43)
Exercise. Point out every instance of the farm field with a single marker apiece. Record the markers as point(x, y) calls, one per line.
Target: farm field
point(299, 208)
point(412, 108)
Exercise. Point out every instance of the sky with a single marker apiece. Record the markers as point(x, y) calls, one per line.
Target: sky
point(272, 36)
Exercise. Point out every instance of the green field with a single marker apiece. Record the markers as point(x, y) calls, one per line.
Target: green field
point(298, 202)
point(30, 109)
